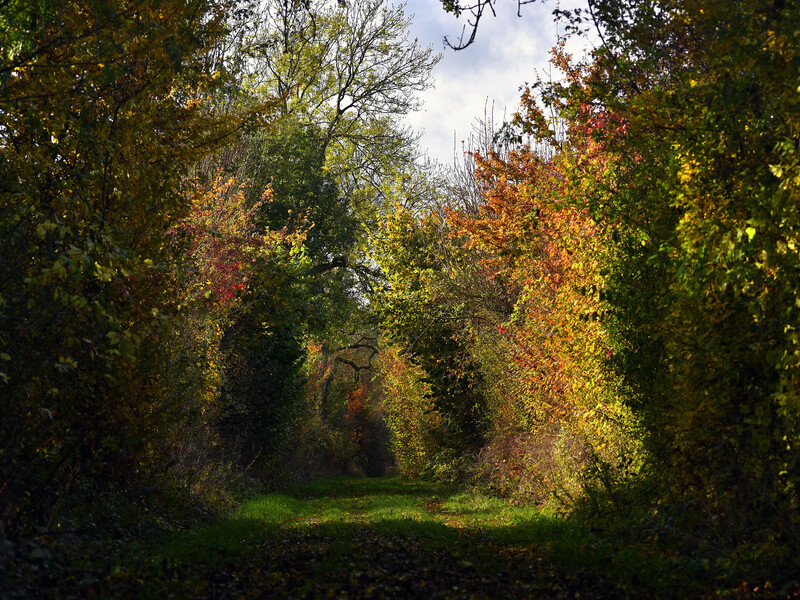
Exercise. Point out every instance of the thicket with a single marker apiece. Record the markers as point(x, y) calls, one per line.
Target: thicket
point(102, 119)
point(615, 276)
point(185, 191)
point(221, 253)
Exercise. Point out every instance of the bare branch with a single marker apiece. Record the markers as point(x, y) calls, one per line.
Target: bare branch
point(477, 12)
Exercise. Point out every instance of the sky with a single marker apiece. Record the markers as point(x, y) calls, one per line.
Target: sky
point(485, 78)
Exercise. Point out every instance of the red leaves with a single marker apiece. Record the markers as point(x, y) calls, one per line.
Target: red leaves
point(223, 243)
point(358, 411)
point(527, 232)
point(535, 235)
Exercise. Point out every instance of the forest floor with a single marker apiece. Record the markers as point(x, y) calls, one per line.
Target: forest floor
point(382, 538)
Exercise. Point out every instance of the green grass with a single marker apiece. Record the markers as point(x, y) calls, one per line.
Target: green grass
point(382, 538)
point(391, 506)
point(330, 526)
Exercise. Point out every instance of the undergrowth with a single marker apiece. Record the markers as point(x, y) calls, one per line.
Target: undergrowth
point(393, 538)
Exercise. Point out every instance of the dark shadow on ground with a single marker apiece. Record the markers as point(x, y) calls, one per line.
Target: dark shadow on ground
point(382, 538)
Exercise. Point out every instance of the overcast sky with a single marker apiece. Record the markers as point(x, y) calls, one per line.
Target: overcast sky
point(506, 54)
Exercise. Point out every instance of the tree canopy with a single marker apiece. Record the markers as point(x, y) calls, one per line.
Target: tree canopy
point(224, 262)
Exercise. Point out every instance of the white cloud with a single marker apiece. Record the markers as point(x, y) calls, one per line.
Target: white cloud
point(507, 51)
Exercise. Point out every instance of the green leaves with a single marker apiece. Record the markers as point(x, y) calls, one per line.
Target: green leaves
point(704, 171)
point(100, 118)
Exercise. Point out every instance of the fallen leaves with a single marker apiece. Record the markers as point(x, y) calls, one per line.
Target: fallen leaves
point(373, 539)
point(365, 563)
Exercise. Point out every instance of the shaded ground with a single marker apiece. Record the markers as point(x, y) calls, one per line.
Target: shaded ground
point(373, 565)
point(376, 538)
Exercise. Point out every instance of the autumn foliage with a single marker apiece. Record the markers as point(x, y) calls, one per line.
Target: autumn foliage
point(220, 257)
point(120, 269)
point(620, 277)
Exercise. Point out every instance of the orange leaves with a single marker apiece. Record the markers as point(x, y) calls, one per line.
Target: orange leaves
point(358, 411)
point(224, 245)
point(534, 236)
point(526, 232)
point(520, 227)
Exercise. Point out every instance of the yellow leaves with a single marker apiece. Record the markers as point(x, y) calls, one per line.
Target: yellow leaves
point(193, 103)
point(104, 273)
point(66, 363)
point(689, 168)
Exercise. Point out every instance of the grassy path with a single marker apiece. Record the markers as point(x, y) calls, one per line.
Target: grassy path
point(387, 538)
point(378, 538)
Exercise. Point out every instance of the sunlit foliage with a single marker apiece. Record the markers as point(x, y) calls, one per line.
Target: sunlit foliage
point(101, 115)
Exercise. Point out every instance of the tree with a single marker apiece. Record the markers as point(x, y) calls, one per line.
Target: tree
point(693, 102)
point(427, 323)
point(347, 73)
point(101, 115)
point(476, 9)
point(344, 76)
